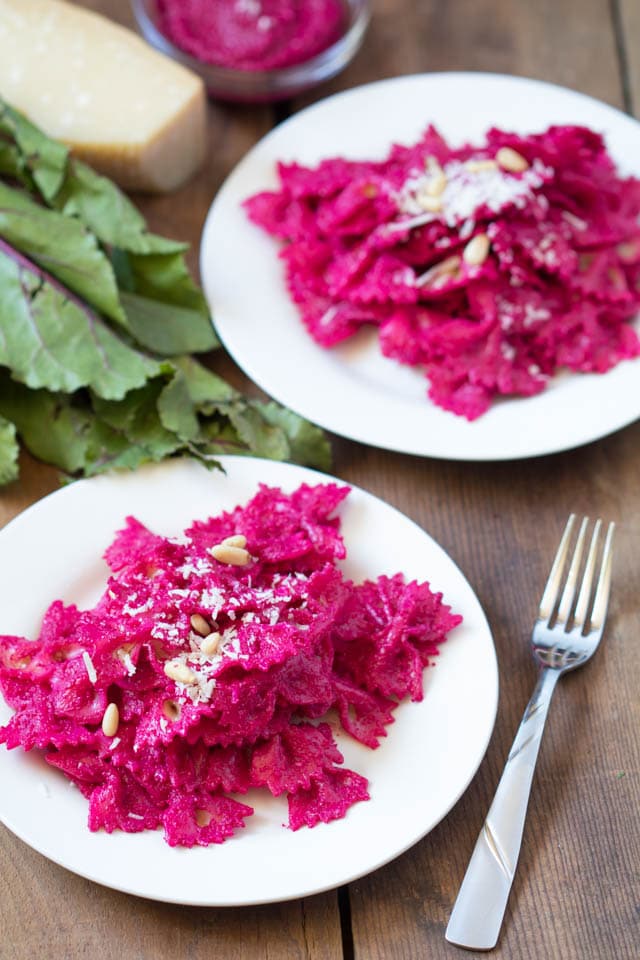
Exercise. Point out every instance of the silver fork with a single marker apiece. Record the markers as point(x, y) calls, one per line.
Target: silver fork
point(565, 635)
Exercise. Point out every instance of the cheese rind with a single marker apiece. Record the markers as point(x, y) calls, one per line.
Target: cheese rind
point(129, 111)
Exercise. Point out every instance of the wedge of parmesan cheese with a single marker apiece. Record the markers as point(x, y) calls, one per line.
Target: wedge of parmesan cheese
point(129, 111)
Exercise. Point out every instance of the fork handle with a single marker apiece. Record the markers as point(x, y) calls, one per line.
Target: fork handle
point(479, 908)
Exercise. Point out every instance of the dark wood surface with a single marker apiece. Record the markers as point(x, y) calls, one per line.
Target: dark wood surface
point(577, 889)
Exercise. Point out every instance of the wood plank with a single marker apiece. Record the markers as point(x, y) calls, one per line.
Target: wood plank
point(50, 913)
point(501, 523)
point(569, 42)
point(628, 12)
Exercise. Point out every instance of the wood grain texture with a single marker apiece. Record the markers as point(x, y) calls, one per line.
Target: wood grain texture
point(569, 42)
point(49, 913)
point(46, 912)
point(628, 23)
point(577, 889)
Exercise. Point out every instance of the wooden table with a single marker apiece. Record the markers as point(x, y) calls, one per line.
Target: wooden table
point(576, 892)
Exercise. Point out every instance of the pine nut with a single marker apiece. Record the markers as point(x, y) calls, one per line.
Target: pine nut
point(237, 540)
point(200, 625)
point(440, 271)
point(509, 159)
point(211, 644)
point(477, 166)
point(477, 250)
point(234, 556)
point(179, 672)
point(444, 279)
point(436, 185)
point(203, 818)
point(111, 720)
point(428, 203)
point(450, 265)
point(171, 710)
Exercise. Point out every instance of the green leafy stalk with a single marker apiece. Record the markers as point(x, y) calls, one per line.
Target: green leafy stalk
point(99, 321)
point(63, 247)
point(48, 338)
point(8, 451)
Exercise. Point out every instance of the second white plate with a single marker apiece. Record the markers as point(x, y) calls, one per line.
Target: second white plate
point(416, 775)
point(353, 390)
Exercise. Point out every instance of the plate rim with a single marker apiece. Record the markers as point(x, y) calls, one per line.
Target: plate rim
point(582, 435)
point(492, 692)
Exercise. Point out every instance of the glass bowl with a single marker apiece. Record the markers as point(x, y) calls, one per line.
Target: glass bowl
point(262, 86)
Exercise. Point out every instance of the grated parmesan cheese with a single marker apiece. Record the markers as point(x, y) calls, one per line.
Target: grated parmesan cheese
point(128, 663)
point(91, 670)
point(468, 191)
point(135, 611)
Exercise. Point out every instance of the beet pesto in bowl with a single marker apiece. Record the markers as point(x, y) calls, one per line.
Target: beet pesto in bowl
point(256, 50)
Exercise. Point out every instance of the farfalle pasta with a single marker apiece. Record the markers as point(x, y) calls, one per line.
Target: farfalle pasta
point(489, 267)
point(209, 665)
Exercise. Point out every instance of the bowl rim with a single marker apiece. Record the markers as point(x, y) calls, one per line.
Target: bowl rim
point(320, 67)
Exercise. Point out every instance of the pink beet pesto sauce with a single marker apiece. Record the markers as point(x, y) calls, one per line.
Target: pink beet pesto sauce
point(252, 34)
point(198, 725)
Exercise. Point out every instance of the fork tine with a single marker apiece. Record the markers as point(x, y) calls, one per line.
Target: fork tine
point(601, 601)
point(553, 583)
point(582, 606)
point(569, 592)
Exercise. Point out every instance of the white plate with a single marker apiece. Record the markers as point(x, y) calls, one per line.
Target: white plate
point(353, 390)
point(433, 749)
